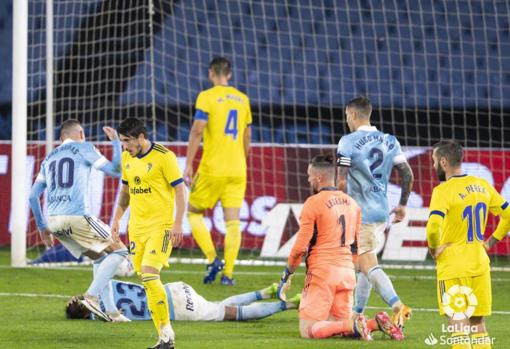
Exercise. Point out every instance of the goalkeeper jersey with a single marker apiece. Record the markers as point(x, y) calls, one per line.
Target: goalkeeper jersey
point(460, 207)
point(227, 112)
point(151, 178)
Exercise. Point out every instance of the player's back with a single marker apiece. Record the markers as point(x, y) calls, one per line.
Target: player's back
point(228, 114)
point(372, 155)
point(66, 171)
point(464, 202)
point(336, 228)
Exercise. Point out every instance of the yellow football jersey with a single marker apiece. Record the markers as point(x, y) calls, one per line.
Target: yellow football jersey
point(463, 202)
point(227, 112)
point(151, 179)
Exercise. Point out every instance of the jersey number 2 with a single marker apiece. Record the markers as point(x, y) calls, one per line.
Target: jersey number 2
point(378, 156)
point(468, 213)
point(231, 126)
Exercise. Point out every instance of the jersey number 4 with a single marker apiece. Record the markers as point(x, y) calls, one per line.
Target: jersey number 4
point(478, 223)
point(231, 126)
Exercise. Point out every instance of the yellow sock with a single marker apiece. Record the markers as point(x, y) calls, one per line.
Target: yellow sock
point(460, 340)
point(232, 245)
point(481, 340)
point(156, 299)
point(202, 235)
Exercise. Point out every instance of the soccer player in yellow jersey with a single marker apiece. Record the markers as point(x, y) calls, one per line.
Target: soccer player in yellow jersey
point(151, 183)
point(223, 118)
point(459, 209)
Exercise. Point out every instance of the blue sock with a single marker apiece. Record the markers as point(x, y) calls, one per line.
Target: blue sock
point(383, 285)
point(105, 270)
point(242, 299)
point(259, 310)
point(362, 292)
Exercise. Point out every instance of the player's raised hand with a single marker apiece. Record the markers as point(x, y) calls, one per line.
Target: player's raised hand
point(110, 132)
point(284, 284)
point(176, 234)
point(47, 237)
point(115, 230)
point(187, 174)
point(400, 214)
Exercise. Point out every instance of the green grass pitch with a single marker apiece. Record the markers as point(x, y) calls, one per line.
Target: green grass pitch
point(38, 321)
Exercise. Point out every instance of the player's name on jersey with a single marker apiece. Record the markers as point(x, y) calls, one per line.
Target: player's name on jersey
point(59, 198)
point(374, 138)
point(63, 147)
point(140, 190)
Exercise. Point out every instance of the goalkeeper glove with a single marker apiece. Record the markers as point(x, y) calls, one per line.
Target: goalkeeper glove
point(284, 284)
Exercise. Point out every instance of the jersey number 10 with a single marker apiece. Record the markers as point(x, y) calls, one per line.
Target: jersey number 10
point(62, 173)
point(478, 222)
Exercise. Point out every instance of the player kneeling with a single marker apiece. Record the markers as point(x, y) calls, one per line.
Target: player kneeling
point(329, 225)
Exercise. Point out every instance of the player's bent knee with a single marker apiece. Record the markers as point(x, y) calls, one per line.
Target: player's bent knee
point(305, 328)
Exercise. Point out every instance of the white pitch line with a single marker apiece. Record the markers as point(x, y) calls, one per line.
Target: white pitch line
point(196, 272)
point(37, 295)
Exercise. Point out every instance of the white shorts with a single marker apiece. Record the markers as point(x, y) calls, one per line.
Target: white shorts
point(80, 233)
point(188, 305)
point(369, 236)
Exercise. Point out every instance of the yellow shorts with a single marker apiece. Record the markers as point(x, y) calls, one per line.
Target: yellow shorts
point(152, 250)
point(462, 298)
point(206, 190)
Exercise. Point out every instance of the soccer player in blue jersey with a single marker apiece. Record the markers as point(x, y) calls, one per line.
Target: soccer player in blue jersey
point(365, 159)
point(64, 174)
point(185, 304)
point(459, 208)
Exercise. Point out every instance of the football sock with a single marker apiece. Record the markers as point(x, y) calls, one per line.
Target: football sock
point(157, 300)
point(460, 340)
point(166, 333)
point(326, 329)
point(243, 299)
point(232, 245)
point(481, 341)
point(383, 286)
point(105, 270)
point(106, 296)
point(202, 235)
point(361, 292)
point(259, 310)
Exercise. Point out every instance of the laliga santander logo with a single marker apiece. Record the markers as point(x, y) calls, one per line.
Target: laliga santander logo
point(459, 302)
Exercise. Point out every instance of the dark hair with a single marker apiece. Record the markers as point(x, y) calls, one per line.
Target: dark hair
point(132, 127)
point(220, 66)
point(323, 161)
point(450, 149)
point(362, 105)
point(68, 125)
point(76, 310)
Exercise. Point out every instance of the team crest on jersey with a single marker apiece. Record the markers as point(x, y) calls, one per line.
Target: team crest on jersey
point(149, 166)
point(138, 181)
point(127, 167)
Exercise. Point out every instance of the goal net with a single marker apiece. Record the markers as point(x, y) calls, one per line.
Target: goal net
point(432, 69)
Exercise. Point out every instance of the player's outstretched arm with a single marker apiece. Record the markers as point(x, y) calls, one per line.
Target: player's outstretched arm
point(119, 211)
point(113, 168)
point(195, 136)
point(406, 175)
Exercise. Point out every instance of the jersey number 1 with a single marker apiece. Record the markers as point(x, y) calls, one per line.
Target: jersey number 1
point(231, 126)
point(468, 213)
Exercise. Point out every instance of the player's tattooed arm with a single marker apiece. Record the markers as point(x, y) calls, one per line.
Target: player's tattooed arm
point(341, 178)
point(407, 178)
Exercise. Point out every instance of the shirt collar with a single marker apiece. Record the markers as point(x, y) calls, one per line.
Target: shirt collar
point(366, 128)
point(68, 140)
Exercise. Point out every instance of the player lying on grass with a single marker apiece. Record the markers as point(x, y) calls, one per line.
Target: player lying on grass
point(186, 304)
